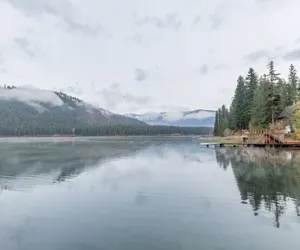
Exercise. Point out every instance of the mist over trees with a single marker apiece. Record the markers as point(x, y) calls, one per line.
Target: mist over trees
point(258, 100)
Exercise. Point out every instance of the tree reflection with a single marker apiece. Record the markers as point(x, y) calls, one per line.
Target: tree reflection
point(266, 178)
point(65, 159)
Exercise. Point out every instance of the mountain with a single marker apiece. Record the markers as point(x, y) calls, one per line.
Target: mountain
point(195, 118)
point(27, 108)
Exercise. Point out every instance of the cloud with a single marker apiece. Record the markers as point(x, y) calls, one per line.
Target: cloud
point(199, 115)
point(136, 99)
point(257, 55)
point(25, 46)
point(72, 90)
point(69, 33)
point(61, 9)
point(114, 97)
point(86, 29)
point(216, 22)
point(220, 66)
point(140, 75)
point(292, 55)
point(31, 97)
point(171, 20)
point(58, 8)
point(138, 38)
point(217, 18)
point(204, 69)
point(176, 115)
point(197, 19)
point(2, 69)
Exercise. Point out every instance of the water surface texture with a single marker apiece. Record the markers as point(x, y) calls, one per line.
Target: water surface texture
point(146, 194)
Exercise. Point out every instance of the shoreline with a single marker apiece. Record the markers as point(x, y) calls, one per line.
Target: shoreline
point(219, 139)
point(108, 136)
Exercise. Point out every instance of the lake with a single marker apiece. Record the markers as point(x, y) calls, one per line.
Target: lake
point(144, 193)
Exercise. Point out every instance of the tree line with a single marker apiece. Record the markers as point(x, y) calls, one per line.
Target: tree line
point(258, 100)
point(107, 130)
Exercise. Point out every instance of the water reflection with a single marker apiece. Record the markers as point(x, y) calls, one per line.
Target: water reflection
point(266, 178)
point(25, 164)
point(144, 193)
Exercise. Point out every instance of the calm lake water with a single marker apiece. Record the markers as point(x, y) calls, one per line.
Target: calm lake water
point(146, 194)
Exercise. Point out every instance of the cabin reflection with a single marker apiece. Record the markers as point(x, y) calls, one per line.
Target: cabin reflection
point(266, 178)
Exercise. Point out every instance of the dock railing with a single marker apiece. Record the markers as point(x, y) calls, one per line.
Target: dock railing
point(268, 136)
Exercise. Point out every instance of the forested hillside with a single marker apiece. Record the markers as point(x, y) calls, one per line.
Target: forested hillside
point(258, 100)
point(26, 112)
point(22, 110)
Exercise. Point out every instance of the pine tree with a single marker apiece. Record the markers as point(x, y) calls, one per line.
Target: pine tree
point(224, 121)
point(251, 84)
point(258, 114)
point(293, 85)
point(239, 105)
point(272, 76)
point(273, 98)
point(284, 90)
point(232, 118)
point(216, 126)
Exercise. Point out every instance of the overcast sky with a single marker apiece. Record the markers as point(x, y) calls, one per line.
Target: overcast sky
point(145, 55)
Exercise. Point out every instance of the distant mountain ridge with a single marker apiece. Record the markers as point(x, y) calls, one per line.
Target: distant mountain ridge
point(194, 118)
point(20, 107)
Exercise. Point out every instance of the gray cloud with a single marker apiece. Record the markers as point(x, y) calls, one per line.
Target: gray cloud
point(72, 90)
point(137, 99)
point(216, 22)
point(25, 46)
point(61, 9)
point(2, 69)
point(114, 97)
point(140, 75)
point(257, 55)
point(115, 85)
point(220, 66)
point(217, 19)
point(292, 55)
point(85, 28)
point(171, 20)
point(204, 69)
point(197, 19)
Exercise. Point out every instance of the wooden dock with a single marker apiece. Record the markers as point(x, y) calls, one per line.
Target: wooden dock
point(291, 144)
point(262, 138)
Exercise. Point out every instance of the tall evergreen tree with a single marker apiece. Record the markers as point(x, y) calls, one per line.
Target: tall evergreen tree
point(224, 122)
point(284, 90)
point(273, 98)
point(239, 108)
point(232, 118)
point(216, 126)
point(258, 114)
point(251, 84)
point(293, 85)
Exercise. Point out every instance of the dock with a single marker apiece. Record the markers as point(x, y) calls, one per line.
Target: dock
point(295, 144)
point(274, 138)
